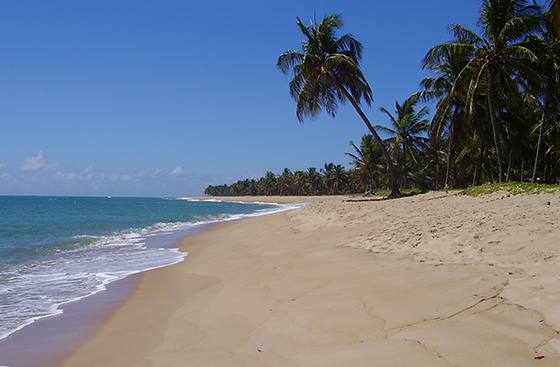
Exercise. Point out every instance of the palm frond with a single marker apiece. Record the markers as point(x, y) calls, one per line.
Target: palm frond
point(288, 60)
point(553, 17)
point(464, 35)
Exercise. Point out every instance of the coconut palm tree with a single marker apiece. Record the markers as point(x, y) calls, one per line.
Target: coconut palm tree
point(546, 46)
point(285, 182)
point(327, 72)
point(368, 159)
point(328, 172)
point(449, 120)
point(269, 184)
point(406, 136)
point(313, 181)
point(500, 59)
point(335, 178)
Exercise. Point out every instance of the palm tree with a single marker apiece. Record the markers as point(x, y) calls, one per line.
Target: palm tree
point(335, 178)
point(298, 183)
point(367, 159)
point(408, 126)
point(328, 177)
point(499, 56)
point(269, 184)
point(285, 182)
point(327, 72)
point(547, 47)
point(313, 181)
point(446, 88)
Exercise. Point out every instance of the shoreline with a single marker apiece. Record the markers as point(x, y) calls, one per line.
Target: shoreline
point(428, 280)
point(49, 340)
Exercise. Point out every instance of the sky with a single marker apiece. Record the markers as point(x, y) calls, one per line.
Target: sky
point(163, 98)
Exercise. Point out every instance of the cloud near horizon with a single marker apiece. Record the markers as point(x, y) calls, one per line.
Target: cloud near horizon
point(177, 171)
point(91, 173)
point(34, 177)
point(36, 163)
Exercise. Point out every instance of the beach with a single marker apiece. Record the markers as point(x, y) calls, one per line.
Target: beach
point(435, 279)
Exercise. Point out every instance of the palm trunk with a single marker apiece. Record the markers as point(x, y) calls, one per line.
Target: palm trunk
point(495, 131)
point(478, 167)
point(448, 168)
point(395, 193)
point(475, 175)
point(538, 155)
point(452, 137)
point(405, 167)
point(508, 175)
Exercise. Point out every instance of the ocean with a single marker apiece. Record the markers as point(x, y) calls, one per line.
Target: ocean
point(57, 250)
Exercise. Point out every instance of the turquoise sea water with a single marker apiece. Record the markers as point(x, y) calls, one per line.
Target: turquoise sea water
point(56, 250)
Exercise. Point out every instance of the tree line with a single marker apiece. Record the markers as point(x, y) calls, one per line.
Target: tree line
point(330, 180)
point(496, 93)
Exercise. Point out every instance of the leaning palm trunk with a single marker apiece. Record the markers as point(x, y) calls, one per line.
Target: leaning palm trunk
point(395, 193)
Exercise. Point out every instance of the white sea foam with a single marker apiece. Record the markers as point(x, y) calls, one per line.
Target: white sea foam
point(40, 288)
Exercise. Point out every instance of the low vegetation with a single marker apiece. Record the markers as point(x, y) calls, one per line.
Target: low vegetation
point(510, 189)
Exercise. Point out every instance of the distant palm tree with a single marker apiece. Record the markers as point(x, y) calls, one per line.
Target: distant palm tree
point(407, 132)
point(285, 182)
point(299, 181)
point(313, 181)
point(368, 159)
point(335, 178)
point(328, 177)
point(269, 184)
point(326, 72)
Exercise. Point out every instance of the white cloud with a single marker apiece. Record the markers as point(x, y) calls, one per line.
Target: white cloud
point(35, 179)
point(3, 164)
point(177, 171)
point(142, 173)
point(85, 175)
point(37, 162)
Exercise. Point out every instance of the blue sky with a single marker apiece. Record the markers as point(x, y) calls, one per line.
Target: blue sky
point(163, 98)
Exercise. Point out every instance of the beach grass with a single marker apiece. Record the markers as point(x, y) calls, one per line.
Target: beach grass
point(510, 189)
